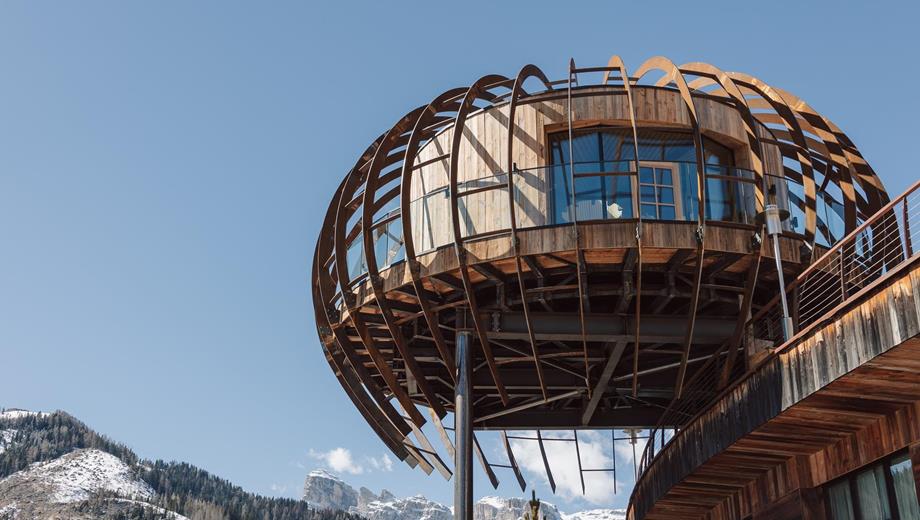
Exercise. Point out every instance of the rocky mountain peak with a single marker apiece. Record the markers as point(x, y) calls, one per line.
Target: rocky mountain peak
point(326, 490)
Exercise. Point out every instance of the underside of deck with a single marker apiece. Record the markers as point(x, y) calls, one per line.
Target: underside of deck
point(843, 396)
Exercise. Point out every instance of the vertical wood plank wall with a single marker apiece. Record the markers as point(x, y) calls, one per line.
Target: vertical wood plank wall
point(483, 152)
point(841, 398)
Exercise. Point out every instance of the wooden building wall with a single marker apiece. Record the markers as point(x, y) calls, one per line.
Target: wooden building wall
point(841, 398)
point(483, 153)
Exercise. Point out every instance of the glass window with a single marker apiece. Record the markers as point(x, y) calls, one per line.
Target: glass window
point(717, 153)
point(612, 144)
point(873, 494)
point(619, 203)
point(840, 501)
point(666, 195)
point(656, 193)
point(883, 491)
point(590, 198)
point(388, 243)
point(355, 256)
point(905, 489)
point(647, 175)
point(609, 150)
point(664, 176)
point(647, 193)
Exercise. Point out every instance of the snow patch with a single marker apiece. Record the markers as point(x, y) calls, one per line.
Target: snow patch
point(9, 511)
point(6, 438)
point(597, 514)
point(417, 507)
point(321, 473)
point(75, 476)
point(15, 413)
point(496, 502)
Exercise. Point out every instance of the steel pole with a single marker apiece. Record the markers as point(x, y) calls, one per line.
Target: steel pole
point(772, 218)
point(787, 320)
point(463, 430)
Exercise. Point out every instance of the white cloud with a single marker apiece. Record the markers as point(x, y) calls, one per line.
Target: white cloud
point(382, 463)
point(278, 489)
point(596, 453)
point(339, 460)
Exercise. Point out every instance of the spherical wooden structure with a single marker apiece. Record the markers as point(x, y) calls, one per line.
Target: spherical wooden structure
point(598, 234)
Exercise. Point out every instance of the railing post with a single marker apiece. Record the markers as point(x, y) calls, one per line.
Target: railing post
point(843, 278)
point(908, 245)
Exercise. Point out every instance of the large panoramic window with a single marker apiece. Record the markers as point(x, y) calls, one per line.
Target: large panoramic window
point(604, 158)
point(883, 491)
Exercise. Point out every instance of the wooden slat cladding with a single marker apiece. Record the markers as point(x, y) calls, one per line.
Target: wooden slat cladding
point(484, 144)
point(841, 398)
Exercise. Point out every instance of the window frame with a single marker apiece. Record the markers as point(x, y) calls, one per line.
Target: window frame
point(675, 186)
point(851, 479)
point(555, 135)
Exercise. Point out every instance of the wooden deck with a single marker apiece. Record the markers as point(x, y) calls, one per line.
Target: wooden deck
point(843, 396)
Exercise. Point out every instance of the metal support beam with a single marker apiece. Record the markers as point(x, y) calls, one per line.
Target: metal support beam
point(603, 381)
point(463, 430)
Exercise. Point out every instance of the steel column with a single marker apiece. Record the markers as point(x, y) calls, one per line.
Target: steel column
point(463, 429)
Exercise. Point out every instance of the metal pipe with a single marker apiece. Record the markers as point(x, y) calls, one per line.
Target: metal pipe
point(463, 430)
point(773, 219)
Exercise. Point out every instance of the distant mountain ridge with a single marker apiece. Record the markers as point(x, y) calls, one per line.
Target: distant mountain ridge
point(324, 489)
point(54, 466)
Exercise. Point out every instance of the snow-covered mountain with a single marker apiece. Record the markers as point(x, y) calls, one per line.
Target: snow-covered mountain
point(79, 474)
point(324, 489)
point(54, 467)
point(598, 514)
point(57, 488)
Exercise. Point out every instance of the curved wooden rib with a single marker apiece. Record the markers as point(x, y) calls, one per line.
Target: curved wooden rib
point(617, 62)
point(829, 135)
point(713, 74)
point(673, 74)
point(580, 267)
point(422, 130)
point(526, 72)
point(354, 179)
point(382, 427)
point(473, 93)
point(783, 110)
point(393, 139)
point(382, 417)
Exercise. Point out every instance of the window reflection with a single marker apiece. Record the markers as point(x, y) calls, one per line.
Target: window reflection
point(882, 491)
point(905, 490)
point(873, 496)
point(666, 188)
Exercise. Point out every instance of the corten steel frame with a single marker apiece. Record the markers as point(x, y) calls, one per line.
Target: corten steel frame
point(392, 350)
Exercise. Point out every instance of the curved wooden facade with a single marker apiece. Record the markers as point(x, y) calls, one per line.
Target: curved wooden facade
point(587, 311)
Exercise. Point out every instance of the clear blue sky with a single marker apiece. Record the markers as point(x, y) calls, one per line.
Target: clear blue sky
point(164, 167)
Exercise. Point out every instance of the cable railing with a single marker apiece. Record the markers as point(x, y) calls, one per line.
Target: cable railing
point(885, 242)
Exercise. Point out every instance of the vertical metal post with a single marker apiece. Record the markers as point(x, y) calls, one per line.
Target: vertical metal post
point(463, 429)
point(772, 217)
